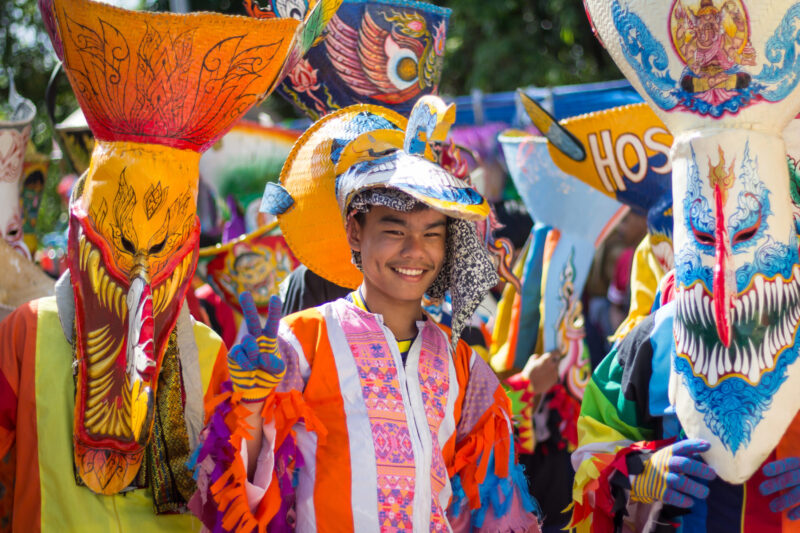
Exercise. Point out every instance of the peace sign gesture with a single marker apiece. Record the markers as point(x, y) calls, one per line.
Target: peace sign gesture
point(254, 364)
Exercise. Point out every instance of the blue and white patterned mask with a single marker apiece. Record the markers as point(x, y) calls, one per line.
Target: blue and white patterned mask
point(723, 77)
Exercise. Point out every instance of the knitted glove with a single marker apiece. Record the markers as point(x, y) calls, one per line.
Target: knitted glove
point(784, 476)
point(254, 364)
point(671, 475)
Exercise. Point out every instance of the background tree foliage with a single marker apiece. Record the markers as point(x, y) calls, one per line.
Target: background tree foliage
point(500, 45)
point(25, 51)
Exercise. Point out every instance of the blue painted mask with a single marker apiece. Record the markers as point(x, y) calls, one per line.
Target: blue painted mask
point(722, 76)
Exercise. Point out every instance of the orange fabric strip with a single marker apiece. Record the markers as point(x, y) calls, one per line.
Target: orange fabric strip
point(461, 362)
point(17, 359)
point(472, 457)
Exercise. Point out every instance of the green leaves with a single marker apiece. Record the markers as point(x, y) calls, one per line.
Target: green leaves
point(504, 44)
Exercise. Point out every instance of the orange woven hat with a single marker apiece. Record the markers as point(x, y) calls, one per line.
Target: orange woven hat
point(354, 149)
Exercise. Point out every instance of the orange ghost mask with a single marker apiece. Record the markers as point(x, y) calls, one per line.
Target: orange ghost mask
point(157, 89)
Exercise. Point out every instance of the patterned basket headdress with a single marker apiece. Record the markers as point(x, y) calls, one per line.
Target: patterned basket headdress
point(382, 52)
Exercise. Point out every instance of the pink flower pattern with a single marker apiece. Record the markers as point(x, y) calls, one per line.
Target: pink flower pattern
point(304, 79)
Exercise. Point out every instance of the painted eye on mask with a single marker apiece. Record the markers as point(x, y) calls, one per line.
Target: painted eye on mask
point(157, 248)
point(703, 237)
point(128, 246)
point(745, 234)
point(402, 67)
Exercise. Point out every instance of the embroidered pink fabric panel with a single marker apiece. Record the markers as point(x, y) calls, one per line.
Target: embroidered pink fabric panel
point(434, 379)
point(394, 455)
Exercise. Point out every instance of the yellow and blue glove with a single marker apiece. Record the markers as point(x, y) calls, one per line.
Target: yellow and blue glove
point(673, 476)
point(784, 477)
point(254, 364)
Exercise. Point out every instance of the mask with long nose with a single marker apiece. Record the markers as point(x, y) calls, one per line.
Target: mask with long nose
point(737, 273)
point(133, 250)
point(726, 100)
point(157, 90)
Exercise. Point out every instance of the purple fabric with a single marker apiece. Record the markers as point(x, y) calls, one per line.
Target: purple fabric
point(478, 398)
point(480, 139)
point(235, 227)
point(216, 453)
point(288, 452)
point(292, 380)
point(215, 449)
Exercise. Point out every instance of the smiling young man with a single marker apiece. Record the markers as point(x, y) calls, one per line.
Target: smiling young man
point(406, 251)
point(363, 414)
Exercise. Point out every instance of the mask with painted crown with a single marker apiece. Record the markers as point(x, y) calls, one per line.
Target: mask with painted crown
point(722, 77)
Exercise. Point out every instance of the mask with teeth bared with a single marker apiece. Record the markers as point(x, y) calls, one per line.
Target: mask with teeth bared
point(157, 90)
point(734, 366)
point(736, 264)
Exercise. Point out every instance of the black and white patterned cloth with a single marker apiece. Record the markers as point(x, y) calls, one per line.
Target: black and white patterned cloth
point(468, 271)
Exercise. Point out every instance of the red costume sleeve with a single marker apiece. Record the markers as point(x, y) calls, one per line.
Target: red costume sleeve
point(17, 357)
point(17, 337)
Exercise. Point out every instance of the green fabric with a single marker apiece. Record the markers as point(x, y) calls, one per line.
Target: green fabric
point(604, 401)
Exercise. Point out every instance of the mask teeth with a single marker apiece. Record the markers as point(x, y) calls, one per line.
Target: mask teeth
point(110, 295)
point(750, 361)
point(103, 417)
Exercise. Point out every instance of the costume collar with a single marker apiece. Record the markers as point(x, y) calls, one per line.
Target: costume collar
point(351, 302)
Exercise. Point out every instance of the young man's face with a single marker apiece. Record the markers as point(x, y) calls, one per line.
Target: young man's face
point(401, 253)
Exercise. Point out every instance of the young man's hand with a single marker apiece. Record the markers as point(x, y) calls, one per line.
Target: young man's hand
point(254, 364)
point(542, 371)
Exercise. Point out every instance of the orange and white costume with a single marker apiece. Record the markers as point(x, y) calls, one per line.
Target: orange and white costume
point(360, 435)
point(378, 445)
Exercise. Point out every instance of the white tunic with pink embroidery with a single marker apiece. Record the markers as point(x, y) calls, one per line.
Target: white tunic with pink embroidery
point(360, 440)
